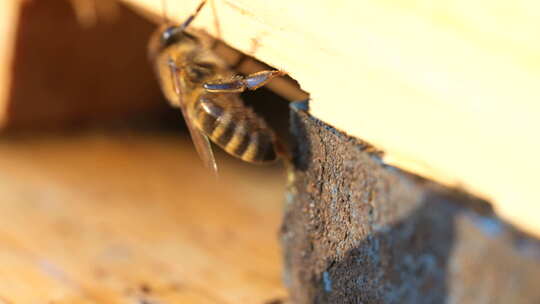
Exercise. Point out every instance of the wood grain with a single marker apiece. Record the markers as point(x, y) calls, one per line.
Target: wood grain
point(448, 89)
point(127, 219)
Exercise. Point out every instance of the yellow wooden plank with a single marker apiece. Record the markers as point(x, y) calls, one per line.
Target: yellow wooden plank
point(120, 219)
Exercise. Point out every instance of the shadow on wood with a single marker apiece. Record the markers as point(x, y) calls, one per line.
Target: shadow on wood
point(67, 74)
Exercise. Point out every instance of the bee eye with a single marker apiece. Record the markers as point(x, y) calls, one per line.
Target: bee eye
point(167, 37)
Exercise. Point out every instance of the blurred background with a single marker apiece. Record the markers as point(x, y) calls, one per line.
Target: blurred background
point(103, 198)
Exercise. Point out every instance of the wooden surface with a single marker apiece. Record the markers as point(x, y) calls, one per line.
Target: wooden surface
point(65, 70)
point(9, 12)
point(448, 89)
point(123, 218)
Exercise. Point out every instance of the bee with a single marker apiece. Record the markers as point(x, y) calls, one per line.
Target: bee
point(195, 79)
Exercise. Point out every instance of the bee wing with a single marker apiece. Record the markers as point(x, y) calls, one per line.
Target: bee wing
point(201, 142)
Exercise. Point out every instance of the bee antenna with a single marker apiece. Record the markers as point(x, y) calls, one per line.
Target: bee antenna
point(192, 16)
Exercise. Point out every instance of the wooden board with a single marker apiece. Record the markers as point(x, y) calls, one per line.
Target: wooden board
point(134, 219)
point(448, 89)
point(9, 11)
point(62, 68)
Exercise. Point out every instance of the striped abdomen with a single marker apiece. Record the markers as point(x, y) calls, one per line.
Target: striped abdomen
point(235, 127)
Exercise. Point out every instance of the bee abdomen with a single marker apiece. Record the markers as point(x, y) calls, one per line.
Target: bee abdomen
point(237, 130)
point(260, 149)
point(251, 146)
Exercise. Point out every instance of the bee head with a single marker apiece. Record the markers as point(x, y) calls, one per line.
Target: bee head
point(163, 37)
point(170, 34)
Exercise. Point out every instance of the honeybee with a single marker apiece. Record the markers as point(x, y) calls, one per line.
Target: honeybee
point(195, 79)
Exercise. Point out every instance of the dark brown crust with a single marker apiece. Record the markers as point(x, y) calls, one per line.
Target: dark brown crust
point(357, 230)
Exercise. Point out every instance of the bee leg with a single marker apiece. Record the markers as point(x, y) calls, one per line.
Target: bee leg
point(240, 84)
point(259, 79)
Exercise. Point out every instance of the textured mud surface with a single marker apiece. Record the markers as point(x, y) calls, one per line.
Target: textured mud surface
point(359, 231)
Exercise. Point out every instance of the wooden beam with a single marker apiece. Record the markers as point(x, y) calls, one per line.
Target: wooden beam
point(448, 90)
point(68, 63)
point(9, 11)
